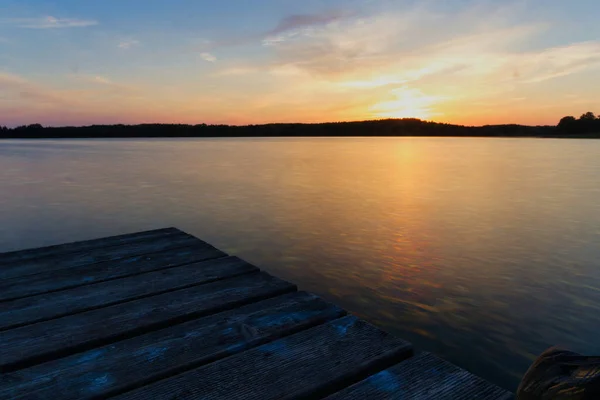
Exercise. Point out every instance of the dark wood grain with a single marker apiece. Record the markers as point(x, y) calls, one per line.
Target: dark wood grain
point(32, 344)
point(84, 298)
point(92, 256)
point(309, 364)
point(144, 359)
point(163, 315)
point(85, 245)
point(50, 281)
point(423, 377)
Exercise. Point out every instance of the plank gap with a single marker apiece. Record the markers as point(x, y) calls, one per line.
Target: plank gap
point(83, 245)
point(68, 278)
point(23, 360)
point(109, 304)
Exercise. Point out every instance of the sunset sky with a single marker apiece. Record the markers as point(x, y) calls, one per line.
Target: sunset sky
point(75, 62)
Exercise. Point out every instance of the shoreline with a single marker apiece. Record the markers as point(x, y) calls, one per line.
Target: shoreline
point(594, 136)
point(371, 128)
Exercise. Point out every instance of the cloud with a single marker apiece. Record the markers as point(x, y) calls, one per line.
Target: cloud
point(16, 87)
point(8, 80)
point(293, 22)
point(36, 95)
point(273, 40)
point(476, 45)
point(378, 81)
point(559, 61)
point(96, 79)
point(49, 22)
point(106, 85)
point(483, 63)
point(299, 24)
point(237, 70)
point(287, 27)
point(208, 57)
point(87, 98)
point(102, 80)
point(476, 63)
point(415, 62)
point(127, 44)
point(349, 44)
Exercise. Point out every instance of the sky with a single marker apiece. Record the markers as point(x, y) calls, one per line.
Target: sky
point(473, 62)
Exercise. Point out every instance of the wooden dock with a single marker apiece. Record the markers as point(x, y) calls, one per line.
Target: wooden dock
point(164, 315)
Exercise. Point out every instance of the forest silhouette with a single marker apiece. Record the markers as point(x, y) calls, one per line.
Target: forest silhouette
point(586, 126)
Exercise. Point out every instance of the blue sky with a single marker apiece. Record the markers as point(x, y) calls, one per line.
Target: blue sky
point(474, 62)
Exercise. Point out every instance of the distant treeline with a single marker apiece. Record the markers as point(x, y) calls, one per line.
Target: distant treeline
point(586, 126)
point(587, 123)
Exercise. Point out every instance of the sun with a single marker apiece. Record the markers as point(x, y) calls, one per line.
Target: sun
point(408, 103)
point(400, 111)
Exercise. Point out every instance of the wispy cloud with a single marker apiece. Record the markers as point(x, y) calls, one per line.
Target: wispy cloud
point(237, 70)
point(128, 44)
point(349, 44)
point(287, 27)
point(559, 61)
point(421, 60)
point(102, 80)
point(95, 79)
point(300, 25)
point(208, 57)
point(296, 21)
point(106, 84)
point(24, 100)
point(8, 80)
point(397, 64)
point(35, 93)
point(378, 81)
point(49, 22)
point(19, 88)
point(396, 49)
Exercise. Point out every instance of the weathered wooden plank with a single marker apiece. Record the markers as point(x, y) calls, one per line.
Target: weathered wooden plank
point(138, 361)
point(85, 245)
point(309, 364)
point(33, 344)
point(92, 256)
point(424, 376)
point(84, 298)
point(16, 288)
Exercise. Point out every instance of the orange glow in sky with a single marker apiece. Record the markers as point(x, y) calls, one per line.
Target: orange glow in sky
point(467, 62)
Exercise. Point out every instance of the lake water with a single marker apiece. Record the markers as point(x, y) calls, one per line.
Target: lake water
point(484, 251)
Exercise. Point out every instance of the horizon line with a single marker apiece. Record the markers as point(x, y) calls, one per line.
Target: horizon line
point(271, 123)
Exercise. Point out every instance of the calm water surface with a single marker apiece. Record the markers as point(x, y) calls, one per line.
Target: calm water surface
point(484, 251)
